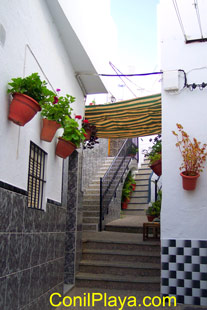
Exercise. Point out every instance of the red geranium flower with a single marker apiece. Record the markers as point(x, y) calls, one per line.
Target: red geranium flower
point(55, 100)
point(78, 116)
point(85, 135)
point(85, 121)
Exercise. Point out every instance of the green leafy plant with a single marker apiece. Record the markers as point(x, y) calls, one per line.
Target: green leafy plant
point(133, 149)
point(57, 108)
point(31, 86)
point(155, 207)
point(89, 144)
point(154, 152)
point(127, 188)
point(193, 153)
point(71, 131)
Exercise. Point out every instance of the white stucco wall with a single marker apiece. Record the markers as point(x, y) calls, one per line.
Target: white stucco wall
point(31, 24)
point(184, 213)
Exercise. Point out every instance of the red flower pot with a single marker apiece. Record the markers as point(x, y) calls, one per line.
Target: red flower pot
point(157, 167)
point(49, 129)
point(64, 148)
point(22, 109)
point(88, 134)
point(151, 217)
point(189, 181)
point(124, 204)
point(134, 186)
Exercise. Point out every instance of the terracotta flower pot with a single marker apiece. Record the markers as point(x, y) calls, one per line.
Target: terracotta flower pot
point(124, 204)
point(151, 217)
point(49, 129)
point(157, 167)
point(22, 109)
point(134, 186)
point(88, 134)
point(64, 148)
point(189, 181)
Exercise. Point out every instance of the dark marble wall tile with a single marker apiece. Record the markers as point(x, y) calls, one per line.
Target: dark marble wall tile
point(6, 203)
point(29, 220)
point(35, 252)
point(70, 241)
point(45, 220)
point(43, 248)
point(59, 245)
point(35, 285)
point(15, 243)
point(51, 246)
point(4, 254)
point(12, 290)
point(43, 278)
point(68, 278)
point(16, 224)
point(38, 214)
point(69, 263)
point(71, 221)
point(26, 251)
point(24, 287)
point(52, 218)
point(2, 292)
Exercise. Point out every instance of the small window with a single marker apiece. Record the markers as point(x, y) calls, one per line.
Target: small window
point(36, 176)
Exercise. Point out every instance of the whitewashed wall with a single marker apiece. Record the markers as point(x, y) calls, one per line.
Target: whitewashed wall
point(184, 213)
point(31, 24)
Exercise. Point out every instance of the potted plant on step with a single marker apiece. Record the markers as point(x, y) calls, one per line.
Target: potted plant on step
point(28, 95)
point(71, 138)
point(154, 155)
point(194, 155)
point(54, 113)
point(132, 151)
point(153, 211)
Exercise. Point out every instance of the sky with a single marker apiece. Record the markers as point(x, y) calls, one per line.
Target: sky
point(136, 22)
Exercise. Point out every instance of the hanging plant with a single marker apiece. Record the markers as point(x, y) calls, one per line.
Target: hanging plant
point(193, 154)
point(28, 95)
point(91, 135)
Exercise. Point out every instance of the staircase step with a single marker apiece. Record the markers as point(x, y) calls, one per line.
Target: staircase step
point(90, 213)
point(91, 220)
point(120, 268)
point(117, 282)
point(134, 212)
point(140, 187)
point(144, 171)
point(125, 229)
point(141, 182)
point(138, 194)
point(142, 177)
point(90, 227)
point(138, 200)
point(88, 202)
point(122, 245)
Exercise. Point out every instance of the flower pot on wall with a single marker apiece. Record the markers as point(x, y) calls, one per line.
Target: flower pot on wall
point(64, 148)
point(157, 167)
point(189, 181)
point(49, 129)
point(88, 134)
point(151, 217)
point(22, 109)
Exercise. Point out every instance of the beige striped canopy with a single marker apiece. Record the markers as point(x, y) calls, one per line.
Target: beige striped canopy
point(130, 118)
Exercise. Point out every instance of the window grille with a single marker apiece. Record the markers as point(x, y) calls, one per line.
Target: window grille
point(36, 176)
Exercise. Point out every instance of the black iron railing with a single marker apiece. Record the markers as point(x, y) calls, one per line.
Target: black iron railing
point(114, 175)
point(149, 187)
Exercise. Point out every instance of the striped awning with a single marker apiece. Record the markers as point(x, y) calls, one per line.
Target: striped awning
point(130, 118)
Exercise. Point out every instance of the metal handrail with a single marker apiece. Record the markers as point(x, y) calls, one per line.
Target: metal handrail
point(112, 178)
point(149, 187)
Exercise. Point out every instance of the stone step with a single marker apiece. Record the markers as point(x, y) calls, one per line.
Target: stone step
point(141, 206)
point(91, 208)
point(92, 202)
point(91, 220)
point(139, 194)
point(117, 282)
point(144, 171)
point(141, 182)
point(122, 245)
point(138, 200)
point(90, 227)
point(90, 213)
point(140, 187)
point(142, 177)
point(124, 229)
point(120, 268)
point(134, 212)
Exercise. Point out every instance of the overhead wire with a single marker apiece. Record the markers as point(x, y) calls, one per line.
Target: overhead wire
point(198, 17)
point(179, 18)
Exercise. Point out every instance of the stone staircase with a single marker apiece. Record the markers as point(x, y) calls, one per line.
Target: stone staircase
point(119, 261)
point(139, 198)
point(91, 199)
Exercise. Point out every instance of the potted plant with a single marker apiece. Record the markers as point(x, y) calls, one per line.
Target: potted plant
point(154, 155)
point(71, 138)
point(194, 155)
point(127, 190)
point(28, 94)
point(133, 149)
point(53, 113)
point(91, 135)
point(153, 211)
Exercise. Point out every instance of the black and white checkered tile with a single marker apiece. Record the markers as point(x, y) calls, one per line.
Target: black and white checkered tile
point(184, 271)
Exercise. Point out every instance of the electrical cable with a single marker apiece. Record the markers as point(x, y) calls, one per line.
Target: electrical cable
point(179, 18)
point(198, 17)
